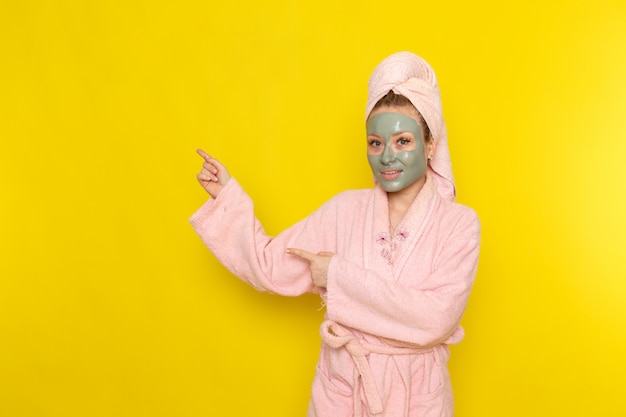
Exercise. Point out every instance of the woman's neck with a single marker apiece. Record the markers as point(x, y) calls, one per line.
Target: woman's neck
point(400, 201)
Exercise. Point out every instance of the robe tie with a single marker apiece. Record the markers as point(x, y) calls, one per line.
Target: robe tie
point(337, 336)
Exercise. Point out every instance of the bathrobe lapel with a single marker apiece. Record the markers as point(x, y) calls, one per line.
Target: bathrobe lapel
point(377, 244)
point(388, 251)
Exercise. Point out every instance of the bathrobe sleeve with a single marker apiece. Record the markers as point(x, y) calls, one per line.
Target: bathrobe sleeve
point(425, 314)
point(228, 227)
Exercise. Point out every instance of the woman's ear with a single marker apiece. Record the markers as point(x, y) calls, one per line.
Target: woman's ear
point(430, 149)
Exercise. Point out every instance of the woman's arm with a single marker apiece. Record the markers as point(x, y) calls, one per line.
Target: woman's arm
point(229, 228)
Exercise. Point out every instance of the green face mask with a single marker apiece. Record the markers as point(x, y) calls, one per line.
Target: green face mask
point(395, 168)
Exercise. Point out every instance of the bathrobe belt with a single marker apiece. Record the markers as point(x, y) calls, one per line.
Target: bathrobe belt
point(336, 336)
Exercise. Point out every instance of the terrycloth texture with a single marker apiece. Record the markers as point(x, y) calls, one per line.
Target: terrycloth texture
point(336, 336)
point(395, 299)
point(409, 75)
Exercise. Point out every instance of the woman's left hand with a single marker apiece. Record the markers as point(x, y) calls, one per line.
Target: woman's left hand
point(318, 264)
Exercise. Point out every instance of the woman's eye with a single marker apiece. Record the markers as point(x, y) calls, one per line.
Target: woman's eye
point(375, 143)
point(404, 141)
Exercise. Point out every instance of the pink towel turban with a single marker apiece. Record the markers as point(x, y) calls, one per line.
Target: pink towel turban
point(409, 75)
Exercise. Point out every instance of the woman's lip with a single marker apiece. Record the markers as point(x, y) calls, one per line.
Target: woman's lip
point(390, 174)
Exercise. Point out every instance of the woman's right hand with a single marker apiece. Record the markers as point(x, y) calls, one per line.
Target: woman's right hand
point(213, 176)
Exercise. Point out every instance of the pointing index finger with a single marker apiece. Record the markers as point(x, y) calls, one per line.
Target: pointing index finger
point(301, 253)
point(203, 154)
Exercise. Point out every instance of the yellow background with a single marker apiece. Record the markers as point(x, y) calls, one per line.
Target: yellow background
point(111, 306)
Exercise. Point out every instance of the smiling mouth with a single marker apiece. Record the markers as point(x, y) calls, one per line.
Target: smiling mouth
point(390, 174)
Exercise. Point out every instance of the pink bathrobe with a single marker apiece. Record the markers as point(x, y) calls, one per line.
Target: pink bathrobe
point(393, 299)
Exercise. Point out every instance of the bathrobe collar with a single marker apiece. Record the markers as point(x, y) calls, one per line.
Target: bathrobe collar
point(388, 250)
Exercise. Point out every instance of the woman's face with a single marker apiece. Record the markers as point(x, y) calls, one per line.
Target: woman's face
point(395, 148)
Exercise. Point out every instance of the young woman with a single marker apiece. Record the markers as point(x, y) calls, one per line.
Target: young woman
point(394, 264)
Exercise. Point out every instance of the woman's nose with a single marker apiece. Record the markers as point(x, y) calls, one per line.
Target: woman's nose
point(388, 155)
